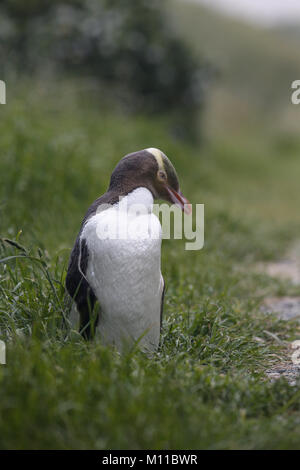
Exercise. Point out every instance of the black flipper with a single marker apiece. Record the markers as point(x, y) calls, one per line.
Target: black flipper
point(162, 304)
point(78, 287)
point(76, 283)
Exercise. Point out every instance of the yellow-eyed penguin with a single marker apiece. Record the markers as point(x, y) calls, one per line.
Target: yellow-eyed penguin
point(116, 256)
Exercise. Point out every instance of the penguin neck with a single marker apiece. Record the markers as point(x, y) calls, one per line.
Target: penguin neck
point(138, 197)
point(128, 182)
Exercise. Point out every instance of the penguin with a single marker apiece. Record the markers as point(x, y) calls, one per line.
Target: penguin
point(114, 272)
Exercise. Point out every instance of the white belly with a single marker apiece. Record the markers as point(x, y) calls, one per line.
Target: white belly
point(126, 278)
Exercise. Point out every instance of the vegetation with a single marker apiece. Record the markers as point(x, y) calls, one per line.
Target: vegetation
point(206, 387)
point(126, 47)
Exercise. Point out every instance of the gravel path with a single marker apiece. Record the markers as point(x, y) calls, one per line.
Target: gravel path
point(287, 308)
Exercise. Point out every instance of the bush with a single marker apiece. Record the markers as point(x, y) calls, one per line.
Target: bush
point(124, 44)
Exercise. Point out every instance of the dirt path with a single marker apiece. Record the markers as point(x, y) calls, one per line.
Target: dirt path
point(286, 308)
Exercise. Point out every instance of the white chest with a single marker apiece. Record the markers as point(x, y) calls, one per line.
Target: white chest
point(124, 244)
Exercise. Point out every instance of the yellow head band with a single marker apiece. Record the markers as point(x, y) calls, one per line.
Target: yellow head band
point(158, 156)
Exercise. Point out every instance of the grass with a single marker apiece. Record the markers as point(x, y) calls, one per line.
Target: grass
point(205, 388)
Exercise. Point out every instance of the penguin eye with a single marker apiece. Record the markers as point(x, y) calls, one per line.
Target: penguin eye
point(161, 175)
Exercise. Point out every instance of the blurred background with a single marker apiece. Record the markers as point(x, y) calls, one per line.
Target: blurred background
point(168, 57)
point(124, 49)
point(255, 47)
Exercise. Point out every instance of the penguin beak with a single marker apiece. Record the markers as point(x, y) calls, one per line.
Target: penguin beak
point(179, 199)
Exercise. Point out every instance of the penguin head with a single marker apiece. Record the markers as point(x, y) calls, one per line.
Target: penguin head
point(152, 169)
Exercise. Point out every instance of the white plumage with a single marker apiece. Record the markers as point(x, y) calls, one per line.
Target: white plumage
point(124, 245)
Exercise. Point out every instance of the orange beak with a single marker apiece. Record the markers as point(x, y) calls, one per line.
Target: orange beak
point(179, 199)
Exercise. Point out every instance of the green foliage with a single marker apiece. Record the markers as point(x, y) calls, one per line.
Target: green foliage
point(206, 379)
point(126, 45)
point(205, 387)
